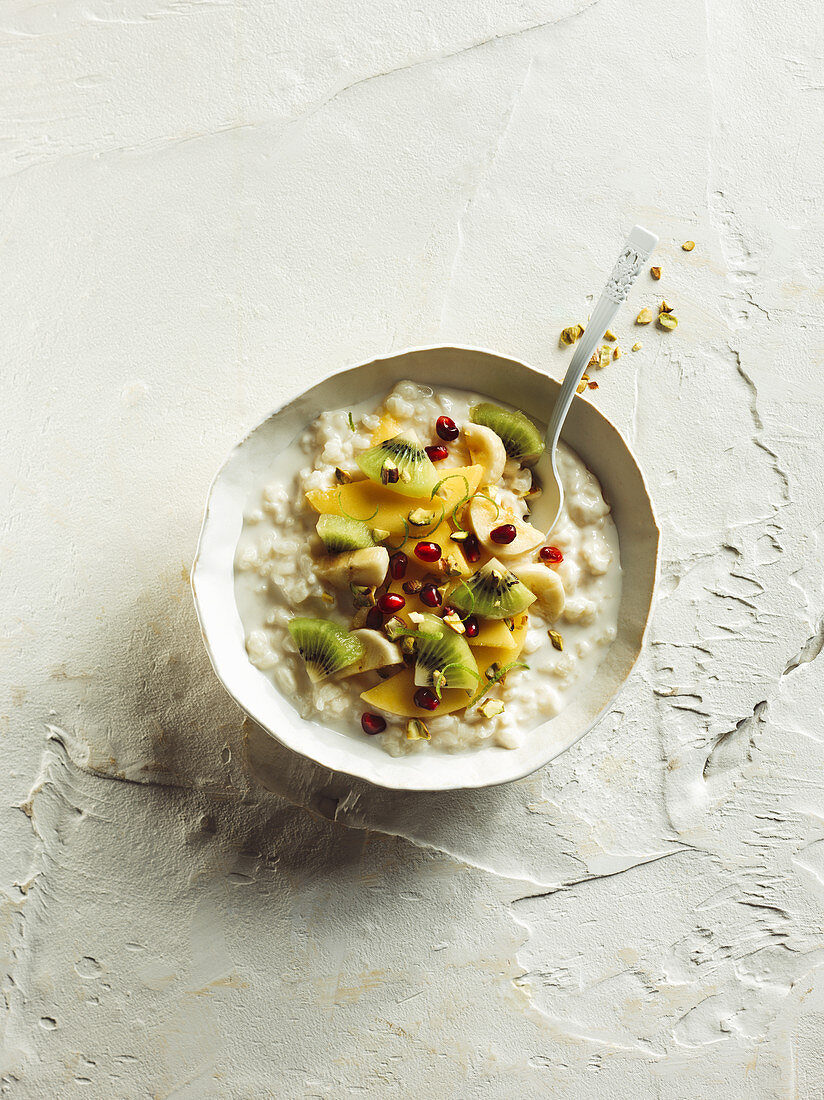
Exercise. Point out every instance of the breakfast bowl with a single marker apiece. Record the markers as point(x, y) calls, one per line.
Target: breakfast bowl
point(259, 674)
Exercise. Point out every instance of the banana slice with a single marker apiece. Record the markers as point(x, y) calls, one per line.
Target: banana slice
point(366, 567)
point(485, 517)
point(378, 652)
point(544, 583)
point(486, 449)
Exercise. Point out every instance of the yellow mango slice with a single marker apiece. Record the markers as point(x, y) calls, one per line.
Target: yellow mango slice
point(395, 697)
point(379, 506)
point(388, 428)
point(493, 632)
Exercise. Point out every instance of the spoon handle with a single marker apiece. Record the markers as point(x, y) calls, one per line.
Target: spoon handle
point(634, 255)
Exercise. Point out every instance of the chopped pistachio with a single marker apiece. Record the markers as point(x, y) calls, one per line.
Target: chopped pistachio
point(378, 534)
point(610, 335)
point(392, 628)
point(571, 334)
point(389, 472)
point(407, 646)
point(582, 385)
point(593, 360)
point(416, 730)
point(668, 320)
point(644, 317)
point(405, 475)
point(411, 588)
point(459, 536)
point(492, 672)
point(362, 596)
point(556, 639)
point(415, 617)
point(343, 477)
point(637, 347)
point(655, 272)
point(454, 620)
point(449, 566)
point(510, 624)
point(688, 246)
point(592, 385)
point(604, 356)
point(420, 517)
point(491, 708)
point(327, 597)
point(617, 353)
point(665, 307)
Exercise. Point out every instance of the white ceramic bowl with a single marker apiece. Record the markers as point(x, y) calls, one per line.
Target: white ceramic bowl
point(250, 463)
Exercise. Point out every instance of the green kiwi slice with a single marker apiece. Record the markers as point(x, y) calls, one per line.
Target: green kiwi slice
point(341, 533)
point(519, 435)
point(401, 464)
point(325, 647)
point(493, 593)
point(443, 658)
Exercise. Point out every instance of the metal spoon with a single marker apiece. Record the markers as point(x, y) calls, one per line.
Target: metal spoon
point(639, 244)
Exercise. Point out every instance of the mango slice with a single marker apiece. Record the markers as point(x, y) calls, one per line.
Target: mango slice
point(388, 428)
point(395, 697)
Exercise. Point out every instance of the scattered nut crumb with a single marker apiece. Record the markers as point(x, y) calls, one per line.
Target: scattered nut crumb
point(556, 639)
point(592, 385)
point(655, 272)
point(593, 360)
point(637, 347)
point(644, 317)
point(416, 730)
point(665, 308)
point(617, 353)
point(667, 320)
point(582, 385)
point(610, 335)
point(490, 708)
point(327, 597)
point(688, 246)
point(604, 356)
point(571, 334)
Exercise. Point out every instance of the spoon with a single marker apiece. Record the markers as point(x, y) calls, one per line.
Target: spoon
point(636, 251)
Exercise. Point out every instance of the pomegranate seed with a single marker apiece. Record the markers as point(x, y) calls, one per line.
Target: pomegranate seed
point(372, 723)
point(390, 602)
point(550, 554)
point(471, 548)
point(397, 565)
point(428, 551)
point(430, 595)
point(504, 534)
point(426, 699)
point(472, 627)
point(437, 453)
point(446, 428)
point(374, 618)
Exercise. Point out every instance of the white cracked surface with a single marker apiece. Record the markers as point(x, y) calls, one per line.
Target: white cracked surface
point(207, 206)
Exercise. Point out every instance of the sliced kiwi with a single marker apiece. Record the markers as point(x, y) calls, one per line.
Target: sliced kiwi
point(325, 647)
point(416, 476)
point(341, 533)
point(493, 593)
point(443, 658)
point(520, 437)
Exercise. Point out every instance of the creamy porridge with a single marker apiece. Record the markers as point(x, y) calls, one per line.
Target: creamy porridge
point(390, 584)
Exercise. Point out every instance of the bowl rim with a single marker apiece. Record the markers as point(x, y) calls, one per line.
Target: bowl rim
point(374, 779)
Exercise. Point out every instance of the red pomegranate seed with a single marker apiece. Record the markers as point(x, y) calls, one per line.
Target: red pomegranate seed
point(372, 723)
point(430, 595)
point(446, 428)
point(437, 453)
point(471, 548)
point(426, 699)
point(374, 618)
point(504, 534)
point(397, 565)
point(428, 551)
point(471, 626)
point(550, 554)
point(390, 602)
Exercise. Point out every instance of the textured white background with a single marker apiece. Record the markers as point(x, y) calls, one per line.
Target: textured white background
point(207, 205)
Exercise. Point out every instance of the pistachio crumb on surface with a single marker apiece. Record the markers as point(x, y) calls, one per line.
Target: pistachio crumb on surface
point(592, 385)
point(617, 353)
point(668, 320)
point(655, 272)
point(582, 385)
point(688, 246)
point(637, 347)
point(604, 356)
point(644, 317)
point(571, 334)
point(610, 335)
point(556, 639)
point(665, 307)
point(491, 708)
point(416, 730)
